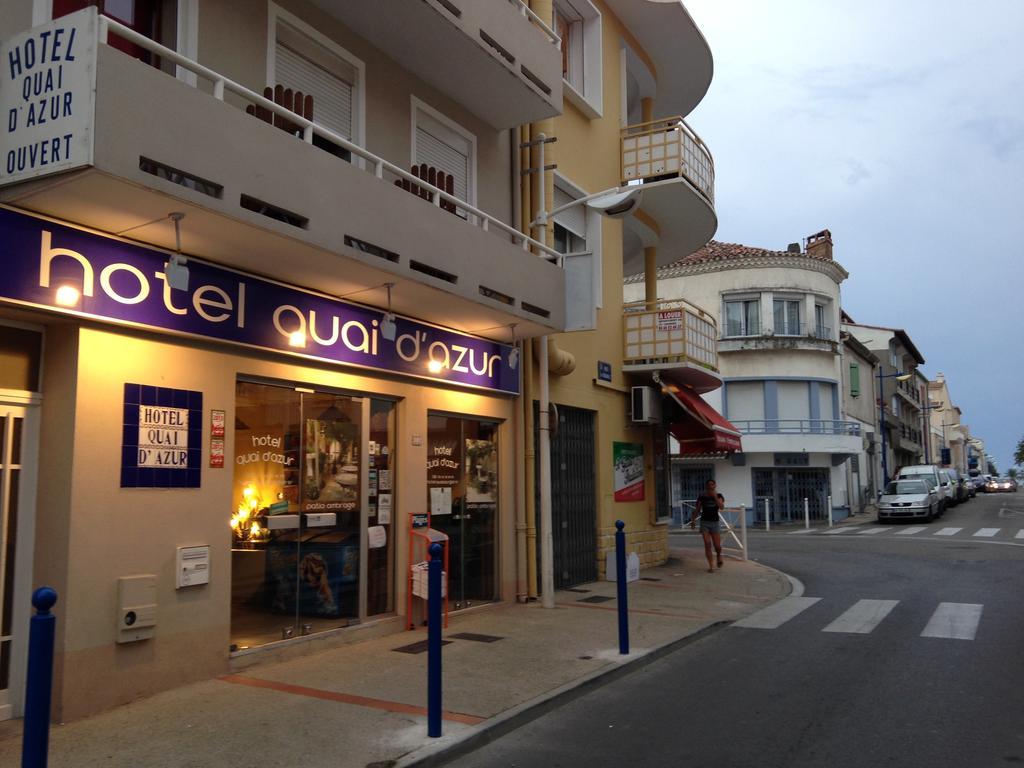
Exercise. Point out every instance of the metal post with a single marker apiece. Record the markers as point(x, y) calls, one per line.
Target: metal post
point(620, 586)
point(807, 515)
point(881, 425)
point(434, 577)
point(39, 685)
point(829, 511)
point(767, 514)
point(743, 530)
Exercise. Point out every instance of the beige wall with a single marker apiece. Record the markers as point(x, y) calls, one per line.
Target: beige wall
point(233, 41)
point(94, 531)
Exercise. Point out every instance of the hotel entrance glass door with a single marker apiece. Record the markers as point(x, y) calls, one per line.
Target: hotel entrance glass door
point(462, 488)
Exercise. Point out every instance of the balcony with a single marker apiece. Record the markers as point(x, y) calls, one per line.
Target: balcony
point(264, 201)
point(673, 337)
point(813, 338)
point(800, 435)
point(677, 172)
point(513, 56)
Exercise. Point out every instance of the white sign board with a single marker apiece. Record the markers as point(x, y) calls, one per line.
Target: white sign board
point(47, 97)
point(163, 437)
point(632, 567)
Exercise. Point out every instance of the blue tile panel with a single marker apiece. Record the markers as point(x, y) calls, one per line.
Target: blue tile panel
point(134, 476)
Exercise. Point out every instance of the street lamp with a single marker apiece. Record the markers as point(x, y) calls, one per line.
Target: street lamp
point(899, 376)
point(926, 427)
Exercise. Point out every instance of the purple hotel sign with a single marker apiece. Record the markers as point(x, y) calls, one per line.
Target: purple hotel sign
point(124, 283)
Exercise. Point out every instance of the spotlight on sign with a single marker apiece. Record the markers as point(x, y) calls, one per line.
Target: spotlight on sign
point(297, 339)
point(177, 272)
point(68, 296)
point(388, 327)
point(435, 366)
point(513, 358)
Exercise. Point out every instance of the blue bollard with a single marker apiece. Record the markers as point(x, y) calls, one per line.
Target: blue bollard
point(620, 585)
point(39, 685)
point(434, 576)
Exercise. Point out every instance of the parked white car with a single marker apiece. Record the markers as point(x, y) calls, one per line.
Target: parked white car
point(909, 498)
point(931, 475)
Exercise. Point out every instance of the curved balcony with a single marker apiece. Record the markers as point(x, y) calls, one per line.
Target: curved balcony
point(673, 337)
point(812, 338)
point(677, 172)
point(840, 438)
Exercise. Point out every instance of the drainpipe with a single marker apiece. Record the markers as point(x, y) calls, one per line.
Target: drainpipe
point(523, 439)
point(526, 405)
point(651, 252)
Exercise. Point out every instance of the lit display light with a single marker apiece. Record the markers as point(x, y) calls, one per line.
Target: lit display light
point(244, 524)
point(435, 366)
point(68, 296)
point(297, 339)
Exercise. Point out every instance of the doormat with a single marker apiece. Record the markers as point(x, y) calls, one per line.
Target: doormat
point(648, 578)
point(577, 589)
point(595, 599)
point(476, 638)
point(418, 647)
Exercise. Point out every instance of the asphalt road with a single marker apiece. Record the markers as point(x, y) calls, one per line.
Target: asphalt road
point(927, 671)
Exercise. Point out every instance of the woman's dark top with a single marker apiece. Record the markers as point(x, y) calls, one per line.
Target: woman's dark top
point(708, 506)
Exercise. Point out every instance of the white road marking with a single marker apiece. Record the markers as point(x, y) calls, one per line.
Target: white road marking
point(774, 616)
point(862, 617)
point(869, 531)
point(987, 533)
point(948, 532)
point(956, 621)
point(841, 529)
point(912, 530)
point(1020, 534)
point(803, 530)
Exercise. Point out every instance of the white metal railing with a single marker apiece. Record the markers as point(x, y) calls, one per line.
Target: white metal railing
point(528, 13)
point(667, 147)
point(797, 427)
point(671, 328)
point(310, 129)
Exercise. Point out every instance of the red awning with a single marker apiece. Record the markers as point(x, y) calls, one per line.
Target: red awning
point(706, 430)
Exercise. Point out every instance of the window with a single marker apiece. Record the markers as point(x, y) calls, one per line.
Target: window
point(155, 19)
point(895, 406)
point(787, 317)
point(577, 230)
point(570, 226)
point(304, 60)
point(854, 380)
point(894, 358)
point(743, 317)
point(578, 24)
point(443, 144)
point(820, 330)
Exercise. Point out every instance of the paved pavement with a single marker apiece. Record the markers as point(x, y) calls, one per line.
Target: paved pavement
point(364, 704)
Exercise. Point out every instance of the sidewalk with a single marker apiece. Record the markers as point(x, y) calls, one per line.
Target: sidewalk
point(364, 704)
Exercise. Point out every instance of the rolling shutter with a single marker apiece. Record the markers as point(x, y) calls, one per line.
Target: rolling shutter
point(443, 149)
point(317, 71)
point(574, 219)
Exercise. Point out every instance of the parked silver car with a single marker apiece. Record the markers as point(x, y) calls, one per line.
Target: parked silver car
point(908, 499)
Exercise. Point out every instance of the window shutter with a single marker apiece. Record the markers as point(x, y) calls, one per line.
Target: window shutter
point(574, 219)
point(332, 96)
point(854, 379)
point(436, 152)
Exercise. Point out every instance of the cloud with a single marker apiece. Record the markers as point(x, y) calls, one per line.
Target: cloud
point(1003, 136)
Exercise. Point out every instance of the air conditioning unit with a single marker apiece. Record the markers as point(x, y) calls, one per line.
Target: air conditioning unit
point(645, 405)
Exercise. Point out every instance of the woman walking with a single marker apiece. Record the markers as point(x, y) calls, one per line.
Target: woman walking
point(709, 504)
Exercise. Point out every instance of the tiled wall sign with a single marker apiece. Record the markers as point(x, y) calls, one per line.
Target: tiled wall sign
point(162, 437)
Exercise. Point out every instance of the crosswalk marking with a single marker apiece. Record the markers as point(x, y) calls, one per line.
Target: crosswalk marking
point(986, 532)
point(955, 621)
point(802, 530)
point(869, 531)
point(948, 531)
point(862, 617)
point(842, 529)
point(912, 530)
point(774, 616)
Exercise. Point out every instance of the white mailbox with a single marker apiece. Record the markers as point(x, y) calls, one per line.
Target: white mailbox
point(193, 566)
point(136, 608)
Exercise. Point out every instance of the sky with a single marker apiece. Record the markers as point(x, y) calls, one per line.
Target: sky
point(899, 126)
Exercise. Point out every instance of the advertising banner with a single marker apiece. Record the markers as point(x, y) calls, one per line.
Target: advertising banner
point(628, 461)
point(120, 282)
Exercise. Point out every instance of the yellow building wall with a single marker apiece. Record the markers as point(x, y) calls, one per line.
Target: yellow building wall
point(587, 154)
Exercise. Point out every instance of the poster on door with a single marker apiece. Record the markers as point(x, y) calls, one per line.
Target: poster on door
point(444, 464)
point(481, 473)
point(331, 479)
point(628, 466)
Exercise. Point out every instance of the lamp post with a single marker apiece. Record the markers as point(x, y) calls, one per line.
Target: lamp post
point(899, 376)
point(926, 426)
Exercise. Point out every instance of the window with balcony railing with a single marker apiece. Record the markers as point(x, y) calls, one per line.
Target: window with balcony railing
point(787, 317)
point(743, 317)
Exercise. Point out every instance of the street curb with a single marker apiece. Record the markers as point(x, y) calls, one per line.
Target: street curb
point(505, 722)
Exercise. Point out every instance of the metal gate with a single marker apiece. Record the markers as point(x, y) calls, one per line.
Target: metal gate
point(688, 482)
point(787, 489)
point(573, 496)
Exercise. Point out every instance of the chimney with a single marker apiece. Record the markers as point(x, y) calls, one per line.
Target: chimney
point(793, 248)
point(820, 245)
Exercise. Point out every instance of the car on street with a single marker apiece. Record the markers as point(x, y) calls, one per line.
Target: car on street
point(909, 499)
point(1001, 485)
point(948, 487)
point(930, 474)
point(958, 484)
